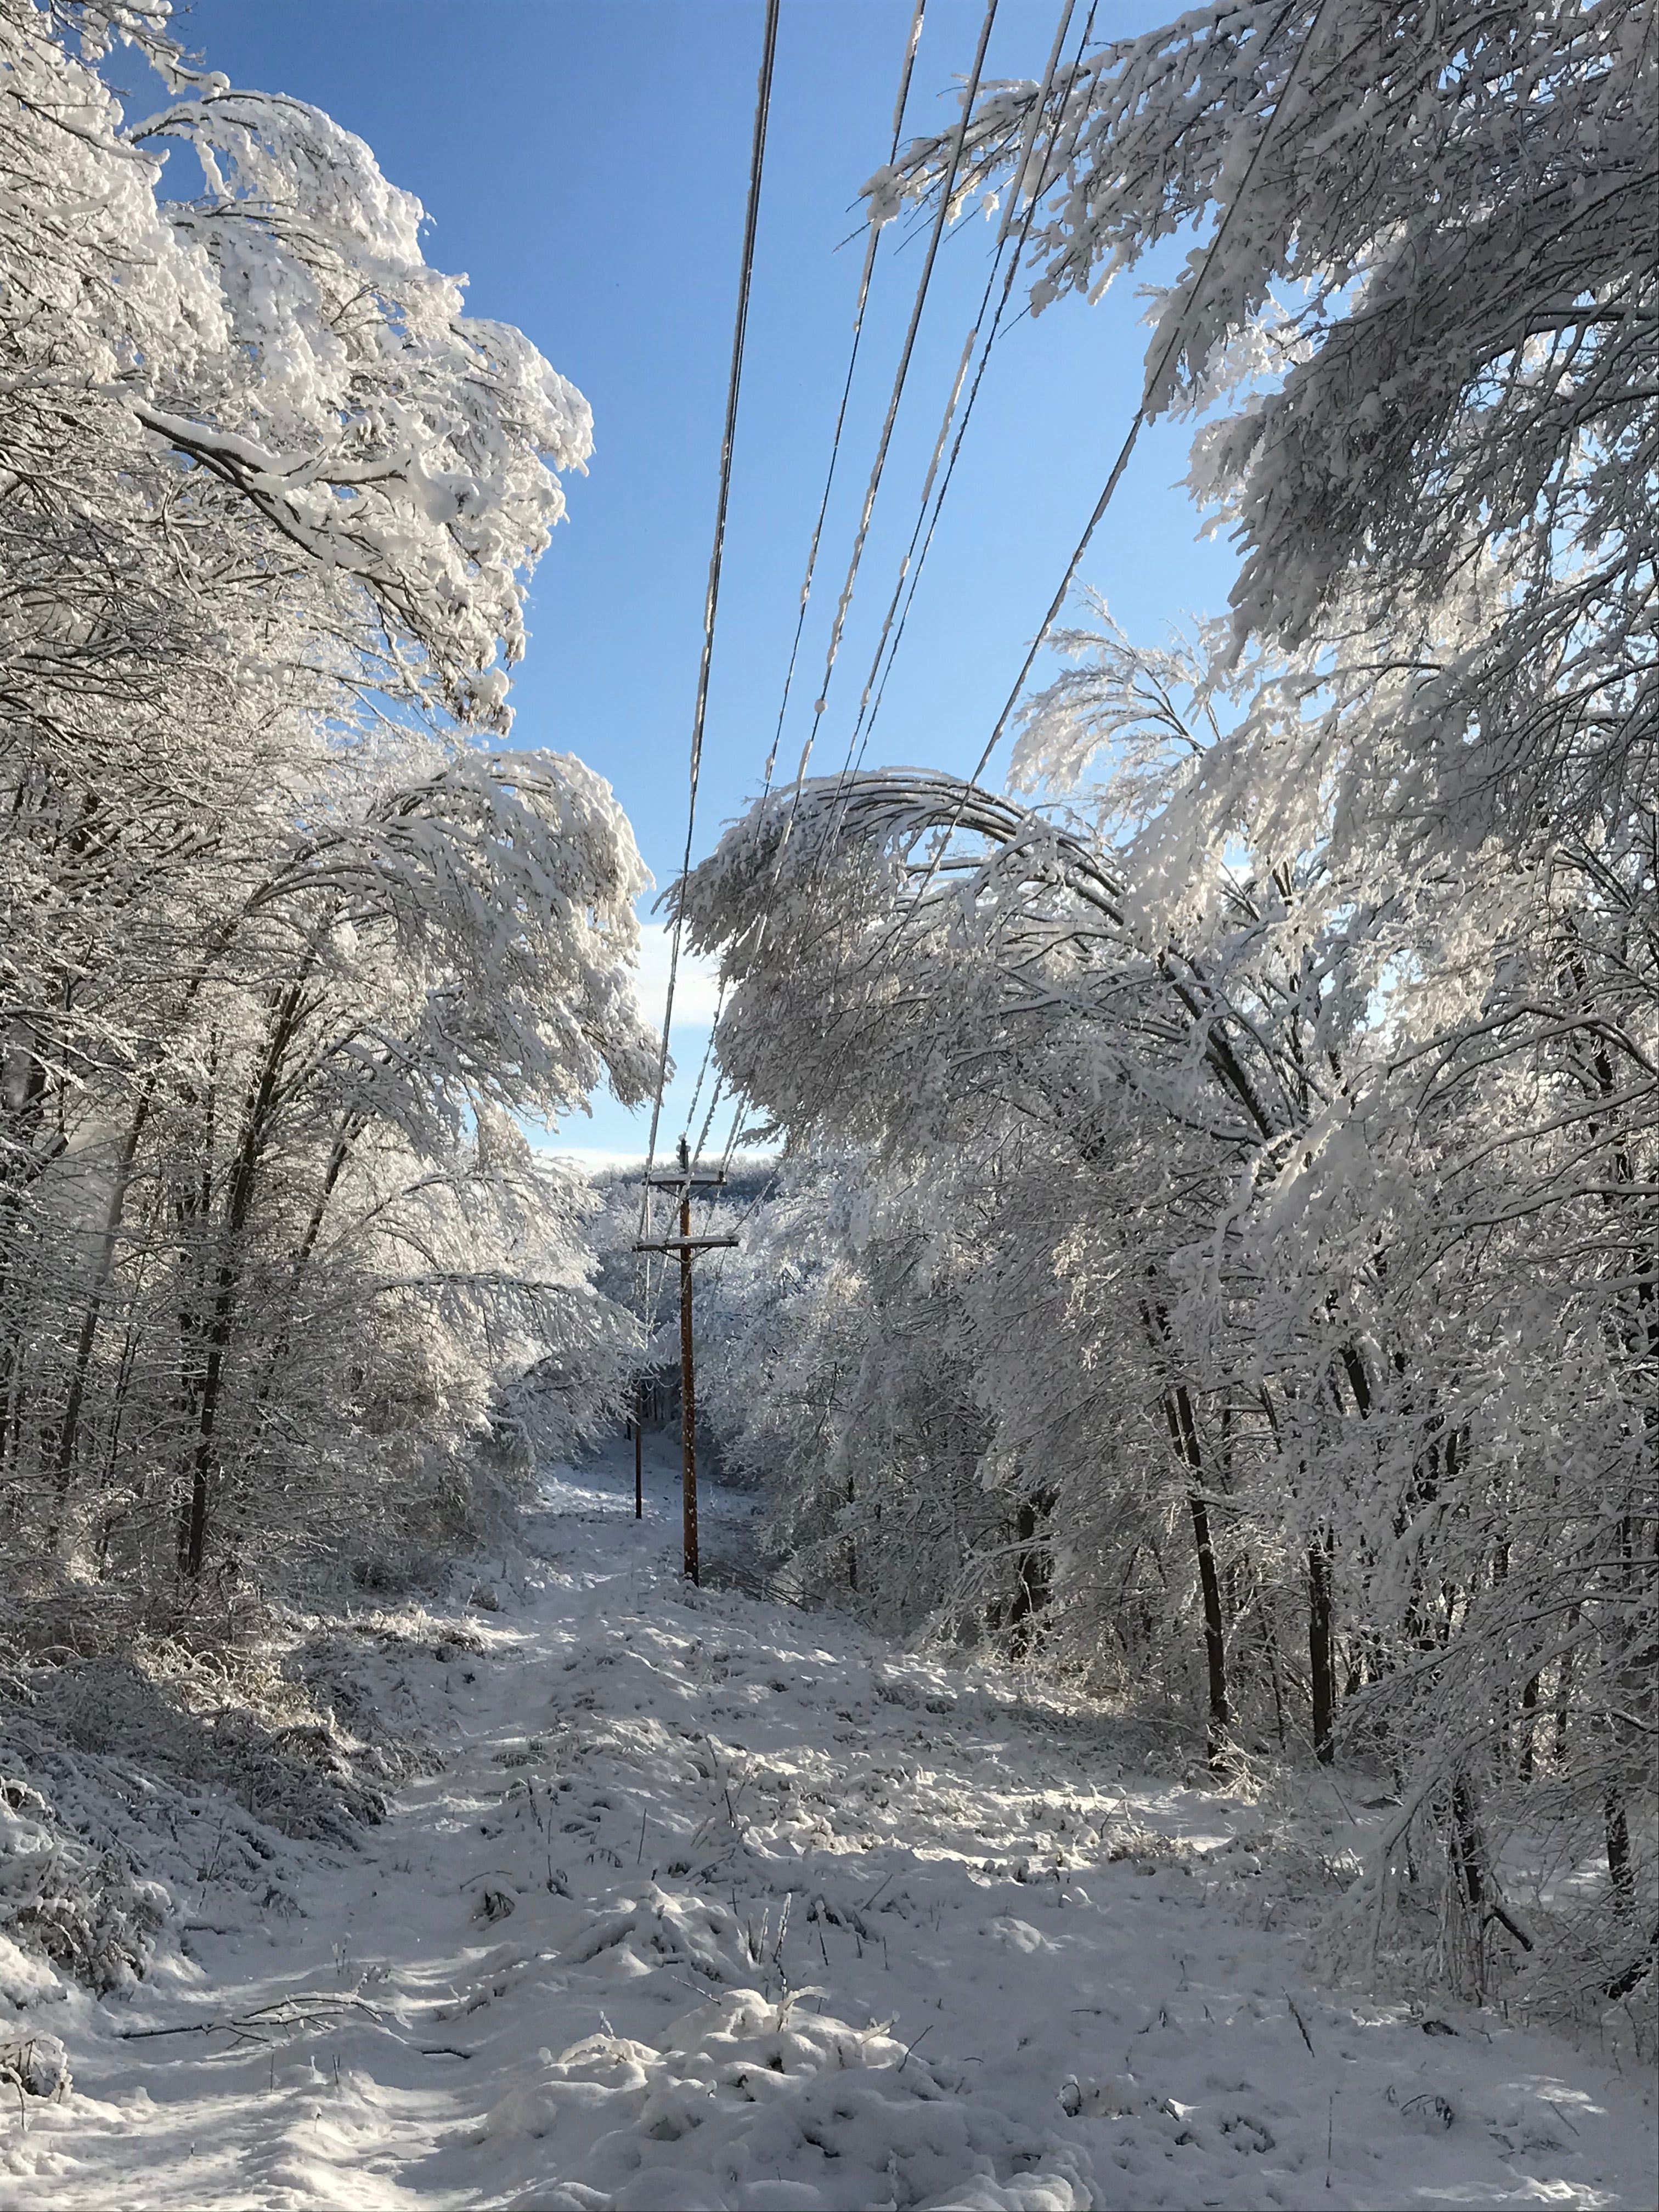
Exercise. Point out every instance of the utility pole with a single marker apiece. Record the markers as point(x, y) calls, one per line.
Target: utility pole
point(685, 1245)
point(639, 1452)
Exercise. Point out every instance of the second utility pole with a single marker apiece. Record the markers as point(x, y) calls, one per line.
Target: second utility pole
point(685, 1245)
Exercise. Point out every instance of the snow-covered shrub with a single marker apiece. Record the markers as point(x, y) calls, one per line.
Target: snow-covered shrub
point(770, 2087)
point(82, 1909)
point(138, 1777)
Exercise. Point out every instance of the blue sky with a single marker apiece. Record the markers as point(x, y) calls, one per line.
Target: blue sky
point(585, 162)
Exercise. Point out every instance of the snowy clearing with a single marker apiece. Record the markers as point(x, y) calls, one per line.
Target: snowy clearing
point(716, 1904)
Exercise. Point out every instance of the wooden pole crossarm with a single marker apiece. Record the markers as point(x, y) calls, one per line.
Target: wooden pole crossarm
point(675, 1179)
point(685, 1243)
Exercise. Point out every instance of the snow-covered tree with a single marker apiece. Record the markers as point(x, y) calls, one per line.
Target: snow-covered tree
point(1421, 313)
point(841, 1383)
point(1305, 1216)
point(287, 954)
point(1308, 1020)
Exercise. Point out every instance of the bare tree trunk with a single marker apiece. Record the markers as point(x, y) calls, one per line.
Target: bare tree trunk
point(63, 1458)
point(350, 1130)
point(1031, 1570)
point(1270, 1643)
point(1563, 1675)
point(1529, 1726)
point(1184, 1432)
point(285, 1016)
point(27, 1160)
point(1616, 1827)
point(1321, 1658)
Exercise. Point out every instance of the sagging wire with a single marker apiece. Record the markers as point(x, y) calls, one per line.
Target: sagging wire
point(1017, 189)
point(711, 603)
point(872, 241)
point(1152, 383)
point(969, 93)
point(862, 727)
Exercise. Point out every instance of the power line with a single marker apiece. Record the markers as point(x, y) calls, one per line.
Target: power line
point(711, 603)
point(861, 729)
point(939, 225)
point(875, 231)
point(708, 1119)
point(1015, 187)
point(1153, 381)
point(1154, 378)
point(732, 1136)
point(969, 93)
point(702, 1069)
point(850, 766)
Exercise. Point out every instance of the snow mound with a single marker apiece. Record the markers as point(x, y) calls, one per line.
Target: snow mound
point(750, 2090)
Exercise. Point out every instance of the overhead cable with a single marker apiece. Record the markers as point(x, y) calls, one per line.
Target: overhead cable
point(711, 603)
point(871, 242)
point(867, 711)
point(1153, 381)
point(702, 1071)
point(1016, 190)
point(860, 739)
point(970, 91)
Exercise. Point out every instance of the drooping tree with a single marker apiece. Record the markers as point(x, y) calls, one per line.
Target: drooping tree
point(1300, 1218)
point(287, 952)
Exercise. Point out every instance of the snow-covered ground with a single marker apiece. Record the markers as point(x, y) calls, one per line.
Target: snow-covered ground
point(715, 1904)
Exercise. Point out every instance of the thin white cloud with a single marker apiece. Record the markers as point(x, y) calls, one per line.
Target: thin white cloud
point(696, 986)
